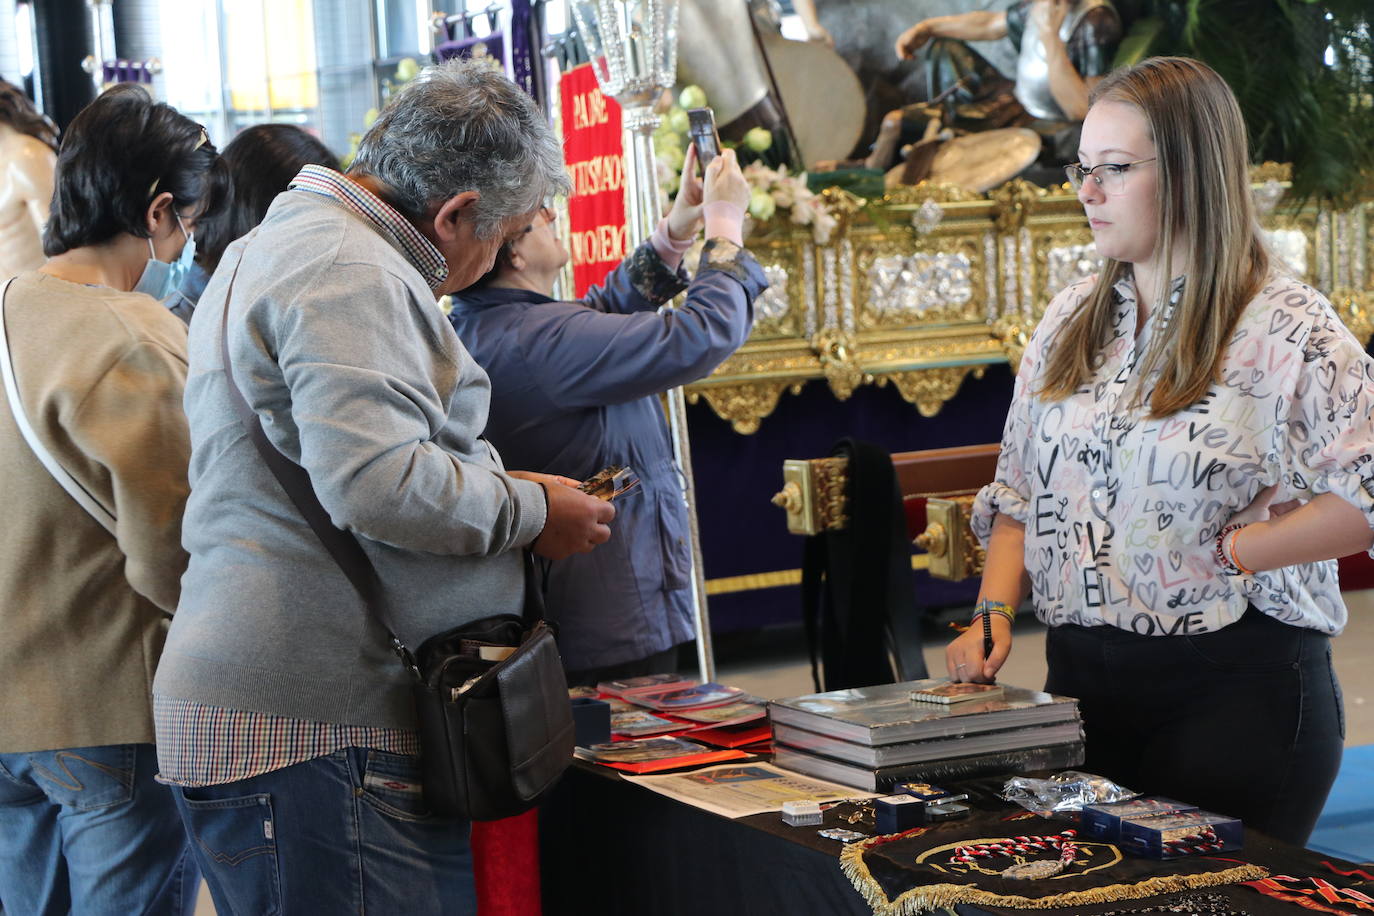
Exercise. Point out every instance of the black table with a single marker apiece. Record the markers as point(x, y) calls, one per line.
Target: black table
point(610, 847)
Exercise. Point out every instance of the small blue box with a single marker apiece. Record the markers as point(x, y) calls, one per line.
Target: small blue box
point(1103, 822)
point(1187, 833)
point(895, 813)
point(591, 721)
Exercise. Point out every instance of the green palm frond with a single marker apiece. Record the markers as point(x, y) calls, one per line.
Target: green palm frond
point(1301, 71)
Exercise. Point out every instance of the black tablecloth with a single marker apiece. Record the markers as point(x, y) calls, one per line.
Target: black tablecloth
point(610, 847)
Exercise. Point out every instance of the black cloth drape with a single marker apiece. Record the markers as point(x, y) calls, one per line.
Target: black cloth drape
point(858, 597)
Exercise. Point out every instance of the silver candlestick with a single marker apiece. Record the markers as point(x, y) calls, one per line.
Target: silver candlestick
point(632, 45)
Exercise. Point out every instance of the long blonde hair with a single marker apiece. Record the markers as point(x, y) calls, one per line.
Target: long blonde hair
point(1203, 198)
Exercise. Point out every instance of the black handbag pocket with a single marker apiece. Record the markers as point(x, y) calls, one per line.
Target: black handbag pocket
point(495, 734)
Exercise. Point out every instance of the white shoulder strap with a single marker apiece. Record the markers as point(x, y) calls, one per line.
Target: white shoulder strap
point(59, 473)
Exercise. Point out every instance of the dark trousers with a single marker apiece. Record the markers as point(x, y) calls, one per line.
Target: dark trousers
point(1246, 721)
point(664, 662)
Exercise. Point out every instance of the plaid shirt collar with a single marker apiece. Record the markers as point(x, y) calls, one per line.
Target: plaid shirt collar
point(418, 250)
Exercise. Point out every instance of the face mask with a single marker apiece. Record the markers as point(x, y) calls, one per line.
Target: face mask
point(159, 278)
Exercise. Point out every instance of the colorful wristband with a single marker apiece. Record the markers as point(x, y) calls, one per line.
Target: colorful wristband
point(987, 606)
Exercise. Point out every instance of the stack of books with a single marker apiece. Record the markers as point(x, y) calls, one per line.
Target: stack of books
point(873, 738)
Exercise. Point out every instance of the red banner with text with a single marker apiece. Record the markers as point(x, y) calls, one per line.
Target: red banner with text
point(594, 151)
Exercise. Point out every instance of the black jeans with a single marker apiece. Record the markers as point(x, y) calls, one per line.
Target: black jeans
point(1246, 721)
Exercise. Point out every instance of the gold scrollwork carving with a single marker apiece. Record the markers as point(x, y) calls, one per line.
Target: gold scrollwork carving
point(917, 194)
point(1353, 308)
point(832, 478)
point(1014, 337)
point(929, 389)
point(744, 405)
point(1015, 201)
point(1271, 171)
point(839, 361)
point(843, 205)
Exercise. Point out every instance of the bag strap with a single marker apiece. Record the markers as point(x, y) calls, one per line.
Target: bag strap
point(69, 483)
point(342, 546)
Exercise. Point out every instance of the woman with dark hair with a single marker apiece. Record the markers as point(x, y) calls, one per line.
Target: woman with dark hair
point(261, 162)
point(1187, 452)
point(28, 142)
point(95, 447)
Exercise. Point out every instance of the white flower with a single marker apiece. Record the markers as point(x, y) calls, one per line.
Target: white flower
point(823, 226)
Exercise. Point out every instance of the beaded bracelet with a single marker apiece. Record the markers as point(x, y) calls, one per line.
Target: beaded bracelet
point(1231, 553)
point(1226, 555)
point(987, 606)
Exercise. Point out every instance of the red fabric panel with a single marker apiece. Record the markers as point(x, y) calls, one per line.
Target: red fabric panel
point(1356, 572)
point(594, 150)
point(505, 860)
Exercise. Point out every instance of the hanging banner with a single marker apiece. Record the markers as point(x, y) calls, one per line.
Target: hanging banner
point(595, 154)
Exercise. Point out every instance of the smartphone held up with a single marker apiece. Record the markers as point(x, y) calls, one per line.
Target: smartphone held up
point(702, 129)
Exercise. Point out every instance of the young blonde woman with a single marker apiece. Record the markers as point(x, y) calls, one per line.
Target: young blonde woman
point(1187, 451)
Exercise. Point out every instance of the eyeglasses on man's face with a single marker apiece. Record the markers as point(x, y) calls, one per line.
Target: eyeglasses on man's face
point(1110, 176)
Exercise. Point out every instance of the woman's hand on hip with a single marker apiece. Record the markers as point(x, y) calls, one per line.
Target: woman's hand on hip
point(1262, 508)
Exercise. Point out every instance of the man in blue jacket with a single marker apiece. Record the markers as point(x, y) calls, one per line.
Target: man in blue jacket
point(574, 389)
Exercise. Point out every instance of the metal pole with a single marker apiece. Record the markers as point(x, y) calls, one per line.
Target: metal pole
point(643, 212)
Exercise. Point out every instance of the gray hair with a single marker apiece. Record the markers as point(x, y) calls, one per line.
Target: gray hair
point(464, 127)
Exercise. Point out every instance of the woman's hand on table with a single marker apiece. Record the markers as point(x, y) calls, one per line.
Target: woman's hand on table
point(964, 656)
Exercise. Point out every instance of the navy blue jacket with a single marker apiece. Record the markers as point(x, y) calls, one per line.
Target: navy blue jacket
point(574, 388)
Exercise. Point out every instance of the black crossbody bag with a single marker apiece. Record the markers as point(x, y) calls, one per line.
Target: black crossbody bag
point(496, 733)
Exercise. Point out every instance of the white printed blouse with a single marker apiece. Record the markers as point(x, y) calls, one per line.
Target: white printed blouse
point(1122, 512)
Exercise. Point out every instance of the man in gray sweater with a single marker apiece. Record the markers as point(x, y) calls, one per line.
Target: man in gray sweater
point(284, 721)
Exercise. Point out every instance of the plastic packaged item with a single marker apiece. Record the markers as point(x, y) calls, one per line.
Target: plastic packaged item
point(801, 813)
point(1064, 794)
point(1187, 833)
point(1103, 822)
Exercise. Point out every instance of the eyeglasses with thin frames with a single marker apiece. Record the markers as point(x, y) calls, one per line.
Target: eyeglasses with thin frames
point(1110, 176)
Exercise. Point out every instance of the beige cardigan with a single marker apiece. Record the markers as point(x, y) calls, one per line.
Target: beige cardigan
point(83, 614)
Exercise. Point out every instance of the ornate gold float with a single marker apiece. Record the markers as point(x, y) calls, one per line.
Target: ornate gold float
point(932, 284)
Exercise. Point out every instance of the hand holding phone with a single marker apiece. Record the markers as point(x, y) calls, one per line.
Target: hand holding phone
point(701, 127)
point(725, 181)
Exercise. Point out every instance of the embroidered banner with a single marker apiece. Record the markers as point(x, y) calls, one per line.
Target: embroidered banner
point(594, 150)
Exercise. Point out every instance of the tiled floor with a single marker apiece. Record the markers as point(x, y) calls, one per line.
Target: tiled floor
point(773, 663)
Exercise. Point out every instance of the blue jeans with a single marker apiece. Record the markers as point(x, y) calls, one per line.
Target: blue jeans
point(344, 833)
point(88, 830)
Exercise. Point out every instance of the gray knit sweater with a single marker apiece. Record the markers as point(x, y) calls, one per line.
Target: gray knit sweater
point(338, 345)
